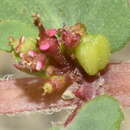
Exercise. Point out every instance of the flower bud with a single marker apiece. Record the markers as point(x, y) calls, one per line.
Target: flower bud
point(32, 62)
point(51, 32)
point(48, 88)
point(70, 35)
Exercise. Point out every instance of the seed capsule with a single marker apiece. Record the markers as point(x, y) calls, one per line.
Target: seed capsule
point(93, 53)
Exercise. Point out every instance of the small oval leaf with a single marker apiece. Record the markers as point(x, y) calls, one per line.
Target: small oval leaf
point(101, 113)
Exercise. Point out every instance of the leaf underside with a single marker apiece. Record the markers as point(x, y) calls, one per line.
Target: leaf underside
point(109, 17)
point(102, 113)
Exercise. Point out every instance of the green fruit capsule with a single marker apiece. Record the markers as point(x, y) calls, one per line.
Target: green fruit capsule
point(93, 53)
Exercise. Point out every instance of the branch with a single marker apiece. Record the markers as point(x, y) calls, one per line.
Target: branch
point(26, 94)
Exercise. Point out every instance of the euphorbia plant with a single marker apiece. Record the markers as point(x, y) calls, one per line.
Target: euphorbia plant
point(68, 46)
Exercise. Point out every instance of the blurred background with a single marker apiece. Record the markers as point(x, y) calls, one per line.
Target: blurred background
point(39, 120)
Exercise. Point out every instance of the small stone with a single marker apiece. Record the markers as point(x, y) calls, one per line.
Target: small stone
point(68, 95)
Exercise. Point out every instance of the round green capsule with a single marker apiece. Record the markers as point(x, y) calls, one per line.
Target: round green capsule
point(93, 53)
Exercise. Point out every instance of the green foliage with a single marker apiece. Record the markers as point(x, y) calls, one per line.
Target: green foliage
point(110, 18)
point(14, 29)
point(55, 128)
point(101, 113)
point(107, 17)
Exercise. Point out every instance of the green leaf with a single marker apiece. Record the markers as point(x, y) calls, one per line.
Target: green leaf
point(110, 18)
point(54, 128)
point(107, 17)
point(14, 29)
point(101, 113)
